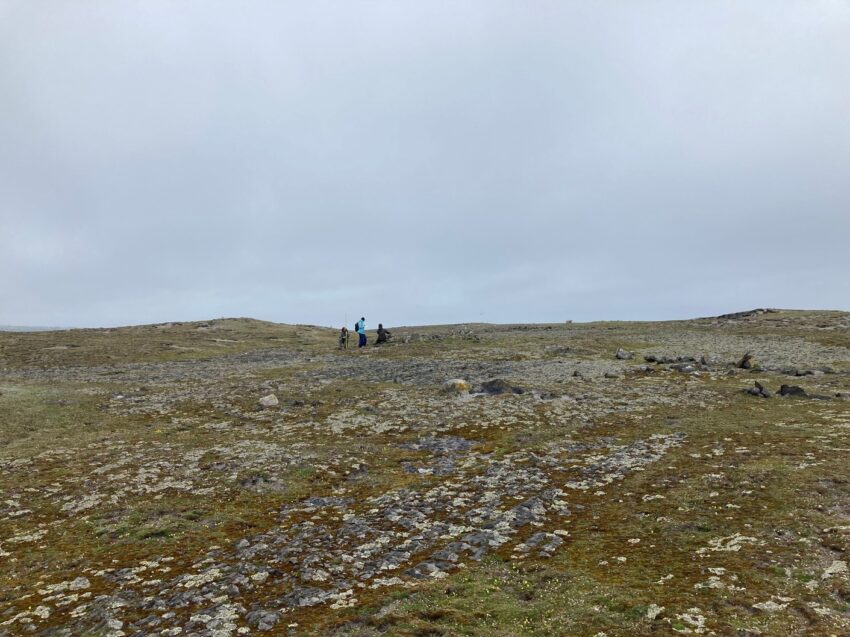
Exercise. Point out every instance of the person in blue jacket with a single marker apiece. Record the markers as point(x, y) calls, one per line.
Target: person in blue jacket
point(361, 331)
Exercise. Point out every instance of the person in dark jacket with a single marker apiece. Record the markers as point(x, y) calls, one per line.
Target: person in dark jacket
point(383, 335)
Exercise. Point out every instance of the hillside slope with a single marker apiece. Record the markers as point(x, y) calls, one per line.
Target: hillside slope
point(235, 477)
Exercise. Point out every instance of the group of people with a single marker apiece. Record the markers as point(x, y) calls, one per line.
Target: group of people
point(360, 328)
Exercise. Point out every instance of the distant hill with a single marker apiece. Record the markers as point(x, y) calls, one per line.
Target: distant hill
point(25, 328)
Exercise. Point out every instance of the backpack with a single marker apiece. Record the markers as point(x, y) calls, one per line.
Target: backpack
point(357, 326)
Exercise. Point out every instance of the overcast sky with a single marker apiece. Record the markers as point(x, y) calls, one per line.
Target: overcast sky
point(421, 161)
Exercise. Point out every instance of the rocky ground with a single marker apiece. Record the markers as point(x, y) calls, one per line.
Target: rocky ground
point(235, 477)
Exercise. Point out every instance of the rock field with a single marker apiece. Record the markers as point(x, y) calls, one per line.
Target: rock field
point(235, 477)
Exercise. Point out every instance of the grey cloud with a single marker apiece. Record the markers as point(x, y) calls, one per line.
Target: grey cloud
point(422, 161)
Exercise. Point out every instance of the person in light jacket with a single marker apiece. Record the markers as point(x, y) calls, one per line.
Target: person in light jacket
point(361, 331)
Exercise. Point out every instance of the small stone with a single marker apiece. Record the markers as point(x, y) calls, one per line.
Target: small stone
point(42, 612)
point(455, 386)
point(770, 606)
point(758, 390)
point(269, 401)
point(684, 368)
point(791, 390)
point(836, 568)
point(79, 584)
point(654, 611)
point(746, 362)
point(624, 355)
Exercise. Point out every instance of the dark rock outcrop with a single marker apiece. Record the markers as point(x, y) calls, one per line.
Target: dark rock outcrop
point(746, 361)
point(758, 390)
point(499, 386)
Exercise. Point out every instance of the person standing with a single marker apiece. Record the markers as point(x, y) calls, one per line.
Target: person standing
point(361, 331)
point(343, 337)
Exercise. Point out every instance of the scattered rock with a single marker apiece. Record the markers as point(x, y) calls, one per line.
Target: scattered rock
point(624, 355)
point(269, 401)
point(455, 386)
point(748, 313)
point(666, 360)
point(791, 390)
point(500, 386)
point(685, 368)
point(770, 606)
point(746, 362)
point(79, 584)
point(654, 611)
point(838, 567)
point(758, 390)
point(611, 375)
point(440, 445)
point(262, 619)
